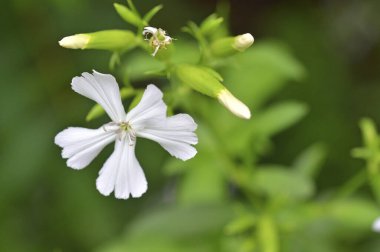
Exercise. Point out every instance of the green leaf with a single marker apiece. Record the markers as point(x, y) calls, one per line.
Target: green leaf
point(241, 224)
point(95, 112)
point(202, 182)
point(114, 60)
point(174, 229)
point(136, 100)
point(278, 118)
point(354, 214)
point(369, 132)
point(261, 71)
point(128, 15)
point(278, 182)
point(138, 65)
point(132, 6)
point(210, 24)
point(152, 13)
point(310, 161)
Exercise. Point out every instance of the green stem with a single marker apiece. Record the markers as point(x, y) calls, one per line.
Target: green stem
point(352, 185)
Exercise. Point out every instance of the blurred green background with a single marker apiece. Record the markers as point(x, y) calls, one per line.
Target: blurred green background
point(328, 51)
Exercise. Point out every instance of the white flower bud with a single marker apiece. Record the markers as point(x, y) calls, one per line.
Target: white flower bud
point(242, 42)
point(112, 40)
point(376, 225)
point(233, 104)
point(78, 41)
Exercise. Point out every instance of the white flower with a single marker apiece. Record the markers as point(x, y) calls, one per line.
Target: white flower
point(376, 225)
point(158, 39)
point(122, 172)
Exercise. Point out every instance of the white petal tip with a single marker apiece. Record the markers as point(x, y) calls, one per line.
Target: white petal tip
point(376, 225)
point(242, 42)
point(78, 41)
point(234, 105)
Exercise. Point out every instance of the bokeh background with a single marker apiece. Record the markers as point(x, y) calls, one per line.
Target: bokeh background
point(45, 206)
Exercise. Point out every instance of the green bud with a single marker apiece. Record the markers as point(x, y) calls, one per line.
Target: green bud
point(207, 81)
point(128, 15)
point(113, 40)
point(231, 45)
point(199, 79)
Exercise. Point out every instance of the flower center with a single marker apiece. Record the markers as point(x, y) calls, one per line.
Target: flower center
point(123, 129)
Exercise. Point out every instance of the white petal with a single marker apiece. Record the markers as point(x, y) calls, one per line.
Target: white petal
point(151, 106)
point(122, 173)
point(175, 134)
point(103, 89)
point(82, 145)
point(233, 104)
point(149, 30)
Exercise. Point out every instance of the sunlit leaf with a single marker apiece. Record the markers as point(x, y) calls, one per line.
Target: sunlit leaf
point(280, 182)
point(310, 161)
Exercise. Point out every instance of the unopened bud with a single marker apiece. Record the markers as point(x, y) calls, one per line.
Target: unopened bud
point(376, 225)
point(207, 81)
point(233, 104)
point(198, 78)
point(231, 45)
point(113, 40)
point(78, 41)
point(243, 42)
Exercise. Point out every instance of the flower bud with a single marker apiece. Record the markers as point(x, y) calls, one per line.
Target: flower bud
point(78, 41)
point(207, 81)
point(199, 79)
point(231, 45)
point(233, 104)
point(243, 42)
point(376, 225)
point(113, 40)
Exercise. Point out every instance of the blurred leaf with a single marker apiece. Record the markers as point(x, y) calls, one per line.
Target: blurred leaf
point(203, 181)
point(255, 132)
point(148, 16)
point(174, 166)
point(210, 24)
point(261, 71)
point(354, 215)
point(369, 133)
point(185, 52)
point(277, 182)
point(169, 228)
point(310, 161)
point(278, 117)
point(136, 99)
point(130, 16)
point(114, 60)
point(136, 66)
point(241, 224)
